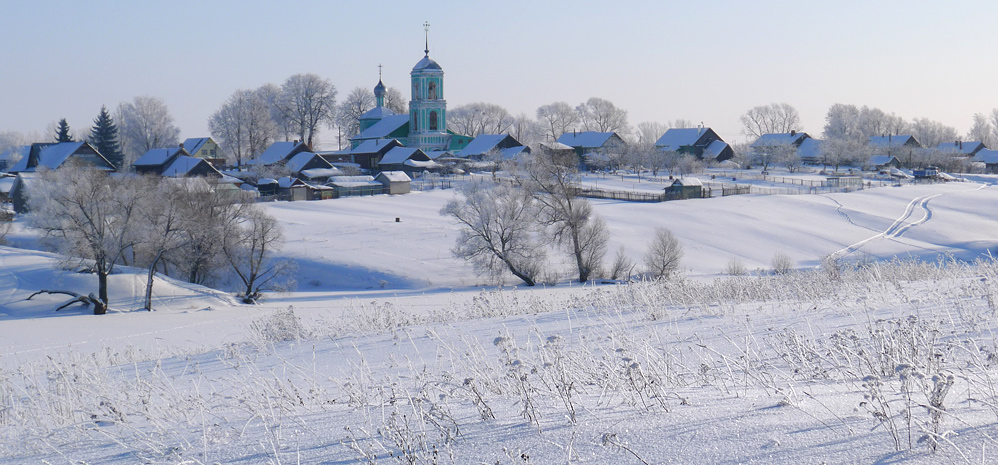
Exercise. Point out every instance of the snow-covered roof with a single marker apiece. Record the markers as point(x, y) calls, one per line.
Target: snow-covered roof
point(482, 144)
point(183, 165)
point(426, 63)
point(810, 148)
point(15, 153)
point(383, 128)
point(266, 181)
point(373, 145)
point(893, 141)
point(50, 156)
point(353, 181)
point(555, 146)
point(395, 176)
point(784, 138)
point(6, 184)
point(157, 157)
point(435, 154)
point(687, 182)
point(421, 164)
point(585, 139)
point(714, 149)
point(880, 160)
point(398, 155)
point(321, 172)
point(297, 162)
point(964, 147)
point(377, 113)
point(193, 144)
point(277, 152)
point(287, 182)
point(676, 138)
point(987, 156)
point(512, 152)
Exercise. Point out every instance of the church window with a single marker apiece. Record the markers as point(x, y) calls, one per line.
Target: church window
point(433, 90)
point(433, 116)
point(415, 90)
point(415, 121)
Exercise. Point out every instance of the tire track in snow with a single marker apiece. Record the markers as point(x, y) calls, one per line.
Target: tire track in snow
point(899, 227)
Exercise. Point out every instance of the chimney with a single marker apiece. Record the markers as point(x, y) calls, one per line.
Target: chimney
point(181, 145)
point(793, 133)
point(960, 143)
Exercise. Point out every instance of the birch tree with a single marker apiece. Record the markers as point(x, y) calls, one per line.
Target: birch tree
point(143, 124)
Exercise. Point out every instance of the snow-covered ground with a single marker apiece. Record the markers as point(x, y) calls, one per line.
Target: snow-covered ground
point(393, 348)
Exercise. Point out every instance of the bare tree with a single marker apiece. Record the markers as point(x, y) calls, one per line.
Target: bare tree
point(348, 114)
point(556, 119)
point(848, 122)
point(143, 124)
point(249, 248)
point(664, 254)
point(271, 94)
point(479, 118)
point(89, 216)
point(207, 216)
point(650, 131)
point(553, 182)
point(306, 101)
point(601, 115)
point(396, 101)
point(497, 232)
point(772, 154)
point(243, 126)
point(772, 118)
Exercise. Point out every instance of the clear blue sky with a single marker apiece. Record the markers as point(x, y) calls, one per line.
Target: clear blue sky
point(660, 60)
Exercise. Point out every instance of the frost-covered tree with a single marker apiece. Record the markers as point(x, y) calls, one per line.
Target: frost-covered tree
point(249, 247)
point(479, 118)
point(982, 130)
point(931, 133)
point(526, 130)
point(597, 114)
point(145, 123)
point(772, 118)
point(104, 138)
point(569, 218)
point(243, 126)
point(62, 132)
point(306, 101)
point(765, 157)
point(497, 230)
point(89, 216)
point(557, 118)
point(649, 132)
point(849, 122)
point(837, 152)
point(664, 254)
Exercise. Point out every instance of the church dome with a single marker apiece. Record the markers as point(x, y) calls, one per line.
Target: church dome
point(379, 90)
point(426, 63)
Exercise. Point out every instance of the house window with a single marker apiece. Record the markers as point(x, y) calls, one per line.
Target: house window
point(433, 91)
point(433, 119)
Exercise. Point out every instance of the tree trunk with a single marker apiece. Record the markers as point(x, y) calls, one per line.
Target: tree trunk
point(149, 281)
point(100, 306)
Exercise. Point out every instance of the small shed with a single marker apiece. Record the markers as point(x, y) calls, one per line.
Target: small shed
point(292, 189)
point(395, 182)
point(686, 188)
point(349, 186)
point(850, 181)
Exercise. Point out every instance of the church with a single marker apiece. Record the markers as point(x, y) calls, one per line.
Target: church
point(425, 127)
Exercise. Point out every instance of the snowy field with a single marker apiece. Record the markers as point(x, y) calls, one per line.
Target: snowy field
point(393, 351)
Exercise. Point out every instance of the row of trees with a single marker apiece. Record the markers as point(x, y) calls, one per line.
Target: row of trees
point(508, 226)
point(183, 228)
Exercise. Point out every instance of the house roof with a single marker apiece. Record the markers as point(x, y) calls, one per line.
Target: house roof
point(675, 138)
point(783, 138)
point(277, 152)
point(377, 113)
point(555, 146)
point(586, 139)
point(374, 145)
point(383, 128)
point(714, 149)
point(987, 156)
point(399, 155)
point(964, 147)
point(434, 154)
point(297, 162)
point(288, 181)
point(52, 156)
point(15, 152)
point(395, 176)
point(810, 148)
point(183, 165)
point(893, 141)
point(157, 157)
point(880, 160)
point(6, 184)
point(482, 144)
point(512, 152)
point(687, 182)
point(353, 181)
point(194, 144)
point(321, 172)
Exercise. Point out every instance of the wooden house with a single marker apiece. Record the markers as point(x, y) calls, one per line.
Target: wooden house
point(685, 188)
point(206, 148)
point(395, 182)
point(703, 143)
point(504, 145)
point(54, 155)
point(408, 159)
point(600, 144)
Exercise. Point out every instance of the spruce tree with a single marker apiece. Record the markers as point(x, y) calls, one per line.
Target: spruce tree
point(104, 138)
point(62, 132)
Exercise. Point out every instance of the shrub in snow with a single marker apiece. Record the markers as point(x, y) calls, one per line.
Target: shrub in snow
point(664, 254)
point(735, 267)
point(782, 263)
